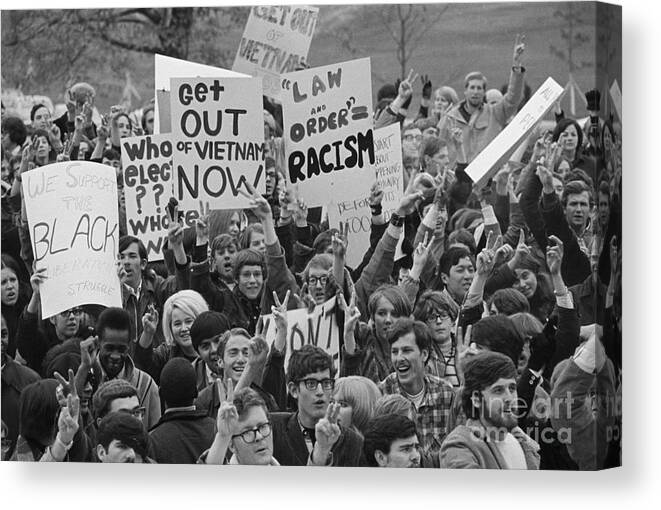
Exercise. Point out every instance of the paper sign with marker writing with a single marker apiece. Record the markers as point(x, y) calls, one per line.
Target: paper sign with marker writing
point(275, 40)
point(319, 328)
point(147, 167)
point(616, 96)
point(218, 141)
point(166, 68)
point(74, 230)
point(329, 138)
point(388, 173)
point(490, 160)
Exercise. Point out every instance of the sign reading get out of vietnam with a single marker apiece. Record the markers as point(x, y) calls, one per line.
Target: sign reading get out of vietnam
point(276, 39)
point(328, 128)
point(218, 141)
point(72, 213)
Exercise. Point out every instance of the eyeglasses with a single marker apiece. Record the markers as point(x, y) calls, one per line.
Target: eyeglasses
point(75, 311)
point(410, 138)
point(440, 316)
point(138, 412)
point(312, 384)
point(313, 280)
point(249, 436)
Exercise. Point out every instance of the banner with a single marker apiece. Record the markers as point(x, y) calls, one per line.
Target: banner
point(275, 40)
point(218, 141)
point(147, 164)
point(320, 329)
point(388, 174)
point(166, 68)
point(492, 157)
point(329, 141)
point(74, 230)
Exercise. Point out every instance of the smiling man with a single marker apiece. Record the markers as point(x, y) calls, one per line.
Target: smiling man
point(490, 439)
point(410, 342)
point(457, 269)
point(113, 328)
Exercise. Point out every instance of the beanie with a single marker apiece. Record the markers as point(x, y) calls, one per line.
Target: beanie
point(109, 391)
point(178, 383)
point(208, 325)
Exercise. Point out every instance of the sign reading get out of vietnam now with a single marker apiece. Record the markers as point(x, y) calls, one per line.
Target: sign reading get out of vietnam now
point(319, 328)
point(147, 166)
point(74, 229)
point(329, 139)
point(275, 40)
point(218, 141)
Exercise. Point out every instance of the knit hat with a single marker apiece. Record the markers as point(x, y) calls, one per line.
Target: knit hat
point(178, 383)
point(109, 391)
point(207, 325)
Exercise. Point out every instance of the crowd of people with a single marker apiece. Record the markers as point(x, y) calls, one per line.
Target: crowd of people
point(494, 342)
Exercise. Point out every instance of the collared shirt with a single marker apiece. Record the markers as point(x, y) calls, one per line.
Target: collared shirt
point(433, 416)
point(443, 366)
point(136, 292)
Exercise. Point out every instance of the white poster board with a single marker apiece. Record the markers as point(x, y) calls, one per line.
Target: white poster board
point(147, 167)
point(275, 40)
point(72, 214)
point(218, 141)
point(166, 68)
point(329, 139)
point(492, 157)
point(320, 329)
point(388, 173)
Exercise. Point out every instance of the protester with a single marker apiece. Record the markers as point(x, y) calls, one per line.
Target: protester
point(391, 441)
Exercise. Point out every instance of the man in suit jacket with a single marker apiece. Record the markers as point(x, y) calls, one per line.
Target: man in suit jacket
point(312, 436)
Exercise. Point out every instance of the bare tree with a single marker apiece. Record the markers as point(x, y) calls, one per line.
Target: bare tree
point(572, 16)
point(407, 24)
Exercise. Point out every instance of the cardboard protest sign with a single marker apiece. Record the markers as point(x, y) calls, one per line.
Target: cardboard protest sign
point(616, 97)
point(147, 164)
point(329, 139)
point(166, 68)
point(275, 40)
point(74, 231)
point(218, 141)
point(388, 174)
point(320, 329)
point(491, 159)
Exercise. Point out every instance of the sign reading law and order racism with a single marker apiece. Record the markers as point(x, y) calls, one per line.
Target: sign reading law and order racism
point(74, 229)
point(275, 40)
point(147, 164)
point(319, 328)
point(218, 141)
point(490, 160)
point(329, 139)
point(388, 175)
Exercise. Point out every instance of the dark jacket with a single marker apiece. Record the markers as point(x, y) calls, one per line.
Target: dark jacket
point(15, 377)
point(152, 359)
point(290, 449)
point(180, 437)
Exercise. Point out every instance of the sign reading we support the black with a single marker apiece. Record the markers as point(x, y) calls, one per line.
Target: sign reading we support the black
point(218, 140)
point(329, 139)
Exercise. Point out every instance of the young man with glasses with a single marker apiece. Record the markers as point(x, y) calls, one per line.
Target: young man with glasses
point(34, 339)
point(244, 430)
point(312, 436)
